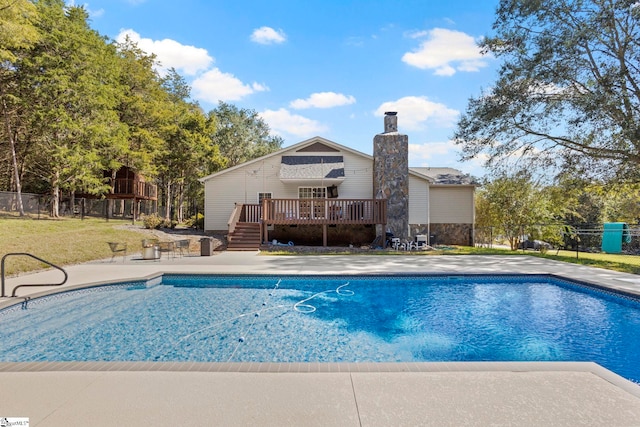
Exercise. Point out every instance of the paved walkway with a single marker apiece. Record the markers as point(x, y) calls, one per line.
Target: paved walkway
point(439, 394)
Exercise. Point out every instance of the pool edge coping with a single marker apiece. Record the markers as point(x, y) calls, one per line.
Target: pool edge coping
point(322, 368)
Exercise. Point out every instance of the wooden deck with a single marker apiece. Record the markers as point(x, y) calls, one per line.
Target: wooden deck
point(133, 189)
point(323, 212)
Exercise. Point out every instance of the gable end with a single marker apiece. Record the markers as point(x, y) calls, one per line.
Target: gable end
point(317, 147)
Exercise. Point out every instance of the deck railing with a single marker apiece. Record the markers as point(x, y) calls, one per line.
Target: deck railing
point(251, 213)
point(134, 187)
point(324, 211)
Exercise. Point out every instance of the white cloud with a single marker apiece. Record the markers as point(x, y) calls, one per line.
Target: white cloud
point(445, 154)
point(257, 87)
point(209, 84)
point(445, 52)
point(282, 121)
point(416, 34)
point(323, 100)
point(267, 35)
point(187, 59)
point(433, 154)
point(214, 86)
point(428, 150)
point(354, 41)
point(414, 112)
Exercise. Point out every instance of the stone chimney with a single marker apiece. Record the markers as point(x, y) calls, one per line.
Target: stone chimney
point(390, 122)
point(391, 176)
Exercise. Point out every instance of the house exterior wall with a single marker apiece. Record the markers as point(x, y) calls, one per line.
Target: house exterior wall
point(243, 184)
point(443, 211)
point(451, 204)
point(418, 201)
point(358, 180)
point(452, 215)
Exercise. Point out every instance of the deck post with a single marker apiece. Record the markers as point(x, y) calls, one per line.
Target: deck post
point(265, 232)
point(133, 208)
point(324, 234)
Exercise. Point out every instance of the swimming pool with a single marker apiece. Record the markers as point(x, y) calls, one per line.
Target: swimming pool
point(329, 319)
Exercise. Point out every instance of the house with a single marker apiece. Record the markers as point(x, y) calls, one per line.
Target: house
point(318, 192)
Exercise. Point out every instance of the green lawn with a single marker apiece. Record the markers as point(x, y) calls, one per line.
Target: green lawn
point(60, 241)
point(625, 263)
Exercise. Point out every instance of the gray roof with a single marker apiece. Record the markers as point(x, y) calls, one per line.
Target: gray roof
point(449, 176)
point(312, 167)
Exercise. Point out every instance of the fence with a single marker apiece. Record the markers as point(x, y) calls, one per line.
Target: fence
point(32, 204)
point(40, 205)
point(565, 239)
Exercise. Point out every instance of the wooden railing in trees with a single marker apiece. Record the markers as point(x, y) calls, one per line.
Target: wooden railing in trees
point(133, 188)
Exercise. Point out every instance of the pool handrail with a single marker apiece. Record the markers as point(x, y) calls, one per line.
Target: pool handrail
point(13, 294)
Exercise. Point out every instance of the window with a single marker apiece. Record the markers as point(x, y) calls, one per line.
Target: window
point(262, 196)
point(312, 192)
point(312, 209)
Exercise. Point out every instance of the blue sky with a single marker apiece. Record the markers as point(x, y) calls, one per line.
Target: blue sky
point(325, 68)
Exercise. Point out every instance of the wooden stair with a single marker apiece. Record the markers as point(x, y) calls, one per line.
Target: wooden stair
point(245, 237)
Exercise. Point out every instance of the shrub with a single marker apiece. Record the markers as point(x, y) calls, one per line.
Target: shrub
point(152, 221)
point(166, 223)
point(196, 221)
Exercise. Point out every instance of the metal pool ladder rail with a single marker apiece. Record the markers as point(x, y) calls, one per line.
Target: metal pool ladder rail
point(13, 294)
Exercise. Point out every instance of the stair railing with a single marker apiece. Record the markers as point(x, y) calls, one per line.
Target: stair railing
point(13, 294)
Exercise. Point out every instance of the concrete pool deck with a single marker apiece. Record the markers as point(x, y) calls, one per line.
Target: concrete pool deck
point(204, 394)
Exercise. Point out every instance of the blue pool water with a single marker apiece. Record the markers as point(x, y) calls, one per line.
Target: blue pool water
point(330, 319)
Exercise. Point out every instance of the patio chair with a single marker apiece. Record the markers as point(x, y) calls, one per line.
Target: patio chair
point(395, 243)
point(181, 245)
point(116, 248)
point(168, 247)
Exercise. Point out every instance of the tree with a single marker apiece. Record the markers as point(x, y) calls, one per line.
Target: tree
point(241, 134)
point(514, 205)
point(621, 204)
point(143, 108)
point(71, 81)
point(569, 85)
point(144, 111)
point(17, 32)
point(17, 29)
point(187, 148)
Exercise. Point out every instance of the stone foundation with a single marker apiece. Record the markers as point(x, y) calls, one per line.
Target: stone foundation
point(452, 234)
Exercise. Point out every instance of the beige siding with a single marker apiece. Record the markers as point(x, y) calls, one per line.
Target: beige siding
point(451, 205)
point(358, 180)
point(243, 184)
point(418, 201)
